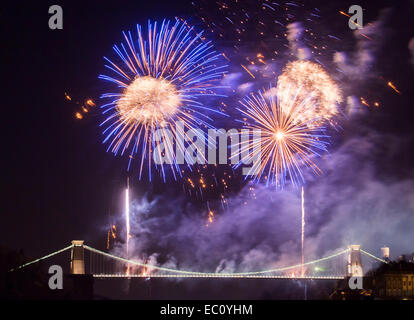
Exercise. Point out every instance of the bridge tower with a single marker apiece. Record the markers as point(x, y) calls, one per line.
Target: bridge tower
point(385, 252)
point(77, 262)
point(354, 267)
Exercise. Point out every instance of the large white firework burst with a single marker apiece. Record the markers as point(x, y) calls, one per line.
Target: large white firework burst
point(160, 77)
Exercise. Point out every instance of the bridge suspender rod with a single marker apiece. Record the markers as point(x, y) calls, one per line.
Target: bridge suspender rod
point(208, 273)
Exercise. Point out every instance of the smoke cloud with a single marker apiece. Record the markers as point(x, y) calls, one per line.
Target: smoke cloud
point(359, 64)
point(353, 106)
point(294, 36)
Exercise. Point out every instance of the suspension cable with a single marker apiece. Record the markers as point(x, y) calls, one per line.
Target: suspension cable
point(374, 257)
point(42, 258)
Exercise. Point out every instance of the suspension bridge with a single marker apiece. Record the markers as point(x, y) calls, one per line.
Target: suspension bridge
point(87, 260)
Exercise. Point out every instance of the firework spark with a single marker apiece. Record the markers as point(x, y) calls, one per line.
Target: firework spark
point(162, 75)
point(248, 71)
point(317, 86)
point(287, 143)
point(392, 86)
point(84, 108)
point(90, 103)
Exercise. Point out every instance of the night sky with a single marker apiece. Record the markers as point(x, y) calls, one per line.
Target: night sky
point(58, 187)
point(60, 183)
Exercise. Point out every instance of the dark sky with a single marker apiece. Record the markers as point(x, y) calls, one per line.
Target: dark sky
point(59, 183)
point(59, 179)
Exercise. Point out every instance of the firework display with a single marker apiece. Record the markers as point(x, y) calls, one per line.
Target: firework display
point(169, 73)
point(160, 78)
point(280, 43)
point(208, 150)
point(287, 143)
point(263, 25)
point(163, 73)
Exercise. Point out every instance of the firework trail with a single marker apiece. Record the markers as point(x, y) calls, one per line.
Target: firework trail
point(391, 85)
point(286, 144)
point(261, 37)
point(160, 77)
